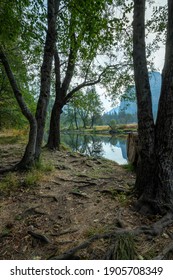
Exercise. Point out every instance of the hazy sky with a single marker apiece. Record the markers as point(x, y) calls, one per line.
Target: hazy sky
point(158, 56)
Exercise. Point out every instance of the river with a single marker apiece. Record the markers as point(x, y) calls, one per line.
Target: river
point(108, 147)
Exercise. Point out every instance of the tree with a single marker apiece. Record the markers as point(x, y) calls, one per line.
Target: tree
point(28, 157)
point(89, 30)
point(11, 16)
point(49, 51)
point(85, 107)
point(33, 148)
point(9, 109)
point(154, 169)
point(89, 106)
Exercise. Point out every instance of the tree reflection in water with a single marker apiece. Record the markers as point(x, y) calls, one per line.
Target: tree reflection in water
point(97, 146)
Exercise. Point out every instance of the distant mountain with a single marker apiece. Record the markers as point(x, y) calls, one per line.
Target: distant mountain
point(128, 100)
point(113, 111)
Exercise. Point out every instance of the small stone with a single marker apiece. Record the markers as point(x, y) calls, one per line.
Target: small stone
point(165, 235)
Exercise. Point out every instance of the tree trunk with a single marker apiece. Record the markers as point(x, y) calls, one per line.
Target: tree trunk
point(49, 50)
point(61, 92)
point(154, 179)
point(132, 148)
point(54, 130)
point(75, 119)
point(164, 125)
point(146, 163)
point(28, 158)
point(54, 133)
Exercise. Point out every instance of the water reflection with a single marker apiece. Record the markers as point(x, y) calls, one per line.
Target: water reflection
point(112, 148)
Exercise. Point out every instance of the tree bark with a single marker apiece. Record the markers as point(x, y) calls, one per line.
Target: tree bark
point(54, 131)
point(53, 142)
point(164, 124)
point(49, 50)
point(75, 119)
point(28, 157)
point(61, 92)
point(146, 162)
point(132, 148)
point(154, 179)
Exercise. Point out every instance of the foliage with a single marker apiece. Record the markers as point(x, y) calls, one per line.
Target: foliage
point(9, 109)
point(21, 37)
point(113, 124)
point(129, 167)
point(85, 107)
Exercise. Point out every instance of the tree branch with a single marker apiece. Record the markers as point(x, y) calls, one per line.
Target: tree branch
point(57, 70)
point(91, 82)
point(71, 61)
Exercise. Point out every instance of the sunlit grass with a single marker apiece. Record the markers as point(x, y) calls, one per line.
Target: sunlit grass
point(10, 181)
point(12, 136)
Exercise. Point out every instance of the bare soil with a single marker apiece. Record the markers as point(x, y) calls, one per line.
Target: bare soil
point(79, 198)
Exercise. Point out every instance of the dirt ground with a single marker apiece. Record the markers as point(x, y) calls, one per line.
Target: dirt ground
point(76, 199)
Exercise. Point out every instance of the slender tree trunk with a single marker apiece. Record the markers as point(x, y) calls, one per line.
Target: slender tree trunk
point(28, 158)
point(49, 50)
point(154, 181)
point(75, 118)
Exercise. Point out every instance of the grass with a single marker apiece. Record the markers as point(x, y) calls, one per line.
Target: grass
point(12, 136)
point(14, 180)
point(128, 126)
point(32, 178)
point(125, 247)
point(90, 232)
point(44, 166)
point(129, 167)
point(106, 128)
point(9, 139)
point(10, 181)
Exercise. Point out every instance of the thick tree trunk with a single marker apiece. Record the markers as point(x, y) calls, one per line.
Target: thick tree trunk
point(146, 162)
point(54, 133)
point(28, 158)
point(61, 92)
point(154, 181)
point(54, 130)
point(164, 125)
point(49, 50)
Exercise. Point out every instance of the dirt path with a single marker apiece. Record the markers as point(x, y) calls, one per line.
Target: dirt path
point(79, 198)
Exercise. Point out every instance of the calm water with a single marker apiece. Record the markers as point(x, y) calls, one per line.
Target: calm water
point(97, 146)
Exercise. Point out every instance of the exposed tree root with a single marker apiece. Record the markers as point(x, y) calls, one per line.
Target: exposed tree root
point(76, 193)
point(153, 230)
point(119, 221)
point(8, 169)
point(39, 236)
point(20, 166)
point(163, 255)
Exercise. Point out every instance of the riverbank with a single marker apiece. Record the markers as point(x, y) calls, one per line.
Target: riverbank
point(120, 130)
point(67, 199)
